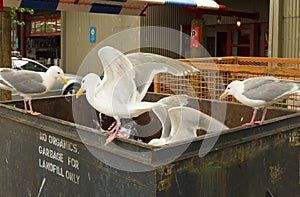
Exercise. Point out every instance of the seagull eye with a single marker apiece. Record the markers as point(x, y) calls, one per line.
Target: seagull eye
point(58, 72)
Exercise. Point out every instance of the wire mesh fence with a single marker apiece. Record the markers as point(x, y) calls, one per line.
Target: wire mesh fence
point(216, 73)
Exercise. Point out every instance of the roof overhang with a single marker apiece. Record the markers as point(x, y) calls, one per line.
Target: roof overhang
point(123, 7)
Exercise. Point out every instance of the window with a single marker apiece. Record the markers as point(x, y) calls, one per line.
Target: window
point(14, 39)
point(34, 67)
point(42, 25)
point(21, 64)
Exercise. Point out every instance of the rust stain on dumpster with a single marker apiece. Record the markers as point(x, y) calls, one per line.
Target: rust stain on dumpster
point(299, 168)
point(164, 184)
point(294, 138)
point(241, 158)
point(275, 173)
point(164, 177)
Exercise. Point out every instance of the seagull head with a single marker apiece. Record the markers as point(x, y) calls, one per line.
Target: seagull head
point(232, 89)
point(88, 83)
point(57, 72)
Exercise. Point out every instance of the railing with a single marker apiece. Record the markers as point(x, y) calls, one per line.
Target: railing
point(216, 73)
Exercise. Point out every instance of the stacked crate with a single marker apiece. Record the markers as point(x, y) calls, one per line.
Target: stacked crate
point(216, 73)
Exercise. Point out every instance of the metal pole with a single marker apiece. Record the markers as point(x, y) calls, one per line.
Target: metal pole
point(5, 47)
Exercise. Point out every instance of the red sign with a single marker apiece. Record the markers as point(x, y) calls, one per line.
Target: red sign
point(195, 37)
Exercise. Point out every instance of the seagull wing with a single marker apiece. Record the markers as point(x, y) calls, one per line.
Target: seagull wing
point(256, 82)
point(268, 89)
point(162, 108)
point(24, 82)
point(3, 84)
point(174, 67)
point(147, 65)
point(185, 122)
point(118, 81)
point(115, 64)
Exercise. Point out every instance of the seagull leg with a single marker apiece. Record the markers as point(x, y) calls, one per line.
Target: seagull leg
point(263, 117)
point(114, 131)
point(25, 106)
point(252, 119)
point(30, 109)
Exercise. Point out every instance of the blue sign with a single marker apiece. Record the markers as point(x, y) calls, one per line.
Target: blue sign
point(92, 34)
point(17, 43)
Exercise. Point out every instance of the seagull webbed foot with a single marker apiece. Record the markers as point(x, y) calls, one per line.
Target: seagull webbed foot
point(110, 138)
point(33, 113)
point(259, 122)
point(248, 124)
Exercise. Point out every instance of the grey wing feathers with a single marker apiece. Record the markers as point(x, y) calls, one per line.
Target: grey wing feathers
point(268, 89)
point(252, 83)
point(3, 84)
point(25, 82)
point(173, 66)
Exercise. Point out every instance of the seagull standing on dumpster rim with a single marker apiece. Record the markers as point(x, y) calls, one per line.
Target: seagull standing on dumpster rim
point(260, 92)
point(30, 83)
point(125, 83)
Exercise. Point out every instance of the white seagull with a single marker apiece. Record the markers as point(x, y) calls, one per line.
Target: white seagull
point(29, 83)
point(126, 81)
point(260, 92)
point(184, 124)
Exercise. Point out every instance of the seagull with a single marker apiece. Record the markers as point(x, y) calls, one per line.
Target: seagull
point(184, 124)
point(3, 84)
point(260, 92)
point(30, 83)
point(126, 81)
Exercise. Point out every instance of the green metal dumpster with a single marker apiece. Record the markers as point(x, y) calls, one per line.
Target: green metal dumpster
point(62, 153)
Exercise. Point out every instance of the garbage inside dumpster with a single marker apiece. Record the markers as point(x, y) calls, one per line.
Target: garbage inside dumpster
point(62, 153)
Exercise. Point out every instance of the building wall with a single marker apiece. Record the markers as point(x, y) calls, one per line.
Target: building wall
point(75, 31)
point(174, 17)
point(76, 34)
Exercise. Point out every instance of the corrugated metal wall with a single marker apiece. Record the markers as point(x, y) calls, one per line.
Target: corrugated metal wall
point(284, 29)
point(290, 29)
point(163, 16)
point(76, 36)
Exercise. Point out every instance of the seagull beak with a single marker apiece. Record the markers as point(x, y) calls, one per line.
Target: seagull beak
point(64, 80)
point(223, 96)
point(79, 93)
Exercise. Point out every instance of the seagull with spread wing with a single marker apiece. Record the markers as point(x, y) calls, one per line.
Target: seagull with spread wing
point(126, 81)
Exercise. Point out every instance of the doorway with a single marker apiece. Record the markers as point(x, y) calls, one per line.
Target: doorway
point(242, 41)
point(221, 44)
